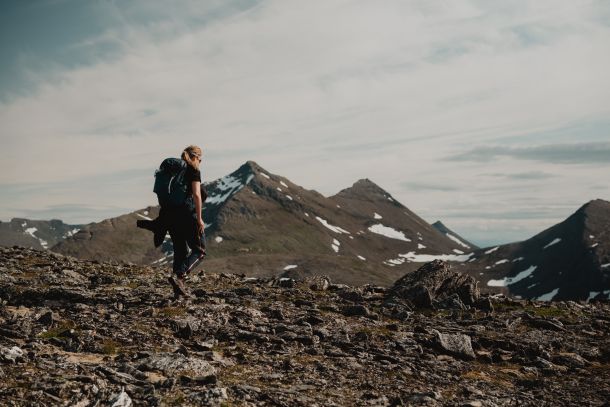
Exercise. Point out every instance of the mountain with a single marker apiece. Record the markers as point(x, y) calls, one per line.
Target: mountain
point(38, 234)
point(570, 260)
point(438, 225)
point(114, 239)
point(262, 224)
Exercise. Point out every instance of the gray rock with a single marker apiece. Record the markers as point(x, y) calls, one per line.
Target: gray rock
point(433, 281)
point(319, 283)
point(455, 344)
point(11, 355)
point(120, 400)
point(174, 364)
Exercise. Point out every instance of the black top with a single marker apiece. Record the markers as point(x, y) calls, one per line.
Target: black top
point(191, 175)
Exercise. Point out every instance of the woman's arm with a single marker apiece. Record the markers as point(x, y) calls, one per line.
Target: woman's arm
point(196, 190)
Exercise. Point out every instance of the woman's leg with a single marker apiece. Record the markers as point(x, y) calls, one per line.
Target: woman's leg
point(180, 249)
point(196, 242)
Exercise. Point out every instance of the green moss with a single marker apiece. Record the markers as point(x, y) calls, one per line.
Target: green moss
point(109, 347)
point(58, 331)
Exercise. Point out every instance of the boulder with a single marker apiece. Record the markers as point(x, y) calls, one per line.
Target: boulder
point(458, 345)
point(172, 364)
point(431, 284)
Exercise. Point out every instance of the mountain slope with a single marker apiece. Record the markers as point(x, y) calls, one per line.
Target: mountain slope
point(570, 260)
point(438, 225)
point(262, 224)
point(38, 234)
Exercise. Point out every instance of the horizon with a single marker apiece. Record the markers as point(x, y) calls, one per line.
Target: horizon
point(480, 244)
point(492, 118)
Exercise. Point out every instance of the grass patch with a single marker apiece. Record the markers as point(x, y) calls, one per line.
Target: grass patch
point(174, 400)
point(133, 284)
point(58, 331)
point(109, 347)
point(539, 311)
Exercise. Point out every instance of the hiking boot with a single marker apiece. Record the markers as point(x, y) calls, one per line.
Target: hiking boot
point(179, 287)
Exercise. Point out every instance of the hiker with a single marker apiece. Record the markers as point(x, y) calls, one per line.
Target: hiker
point(178, 188)
point(160, 225)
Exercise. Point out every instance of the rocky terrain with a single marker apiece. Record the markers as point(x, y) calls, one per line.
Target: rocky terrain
point(89, 333)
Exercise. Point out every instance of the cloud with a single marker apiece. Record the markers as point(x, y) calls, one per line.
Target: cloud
point(525, 176)
point(387, 91)
point(576, 153)
point(419, 186)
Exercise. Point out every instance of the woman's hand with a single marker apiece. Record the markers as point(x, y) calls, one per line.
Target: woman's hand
point(200, 225)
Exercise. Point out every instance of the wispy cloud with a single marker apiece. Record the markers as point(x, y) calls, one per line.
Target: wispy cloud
point(525, 176)
point(420, 186)
point(576, 153)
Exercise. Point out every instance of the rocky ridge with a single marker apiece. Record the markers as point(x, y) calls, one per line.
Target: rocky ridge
point(262, 223)
point(570, 260)
point(90, 333)
point(38, 234)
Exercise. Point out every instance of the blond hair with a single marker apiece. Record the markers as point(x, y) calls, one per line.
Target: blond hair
point(190, 153)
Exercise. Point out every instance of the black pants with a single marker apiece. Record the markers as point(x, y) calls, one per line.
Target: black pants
point(183, 230)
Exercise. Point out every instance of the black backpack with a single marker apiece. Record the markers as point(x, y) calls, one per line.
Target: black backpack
point(170, 183)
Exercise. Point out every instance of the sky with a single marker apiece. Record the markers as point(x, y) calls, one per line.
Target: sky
point(492, 116)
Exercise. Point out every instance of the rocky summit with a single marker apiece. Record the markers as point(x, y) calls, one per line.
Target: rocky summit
point(90, 333)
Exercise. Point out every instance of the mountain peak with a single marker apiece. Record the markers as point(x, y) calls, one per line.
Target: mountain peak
point(250, 167)
point(595, 205)
point(365, 188)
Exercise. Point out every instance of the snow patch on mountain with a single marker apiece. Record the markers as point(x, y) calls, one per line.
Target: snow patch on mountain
point(594, 294)
point(290, 267)
point(335, 245)
point(283, 184)
point(554, 242)
point(327, 225)
point(456, 240)
point(31, 231)
point(425, 258)
point(501, 262)
point(265, 175)
point(227, 186)
point(548, 296)
point(512, 280)
point(492, 250)
point(144, 217)
point(377, 216)
point(70, 233)
point(388, 232)
point(361, 258)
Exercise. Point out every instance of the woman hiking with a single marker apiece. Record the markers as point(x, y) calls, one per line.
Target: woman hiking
point(185, 223)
